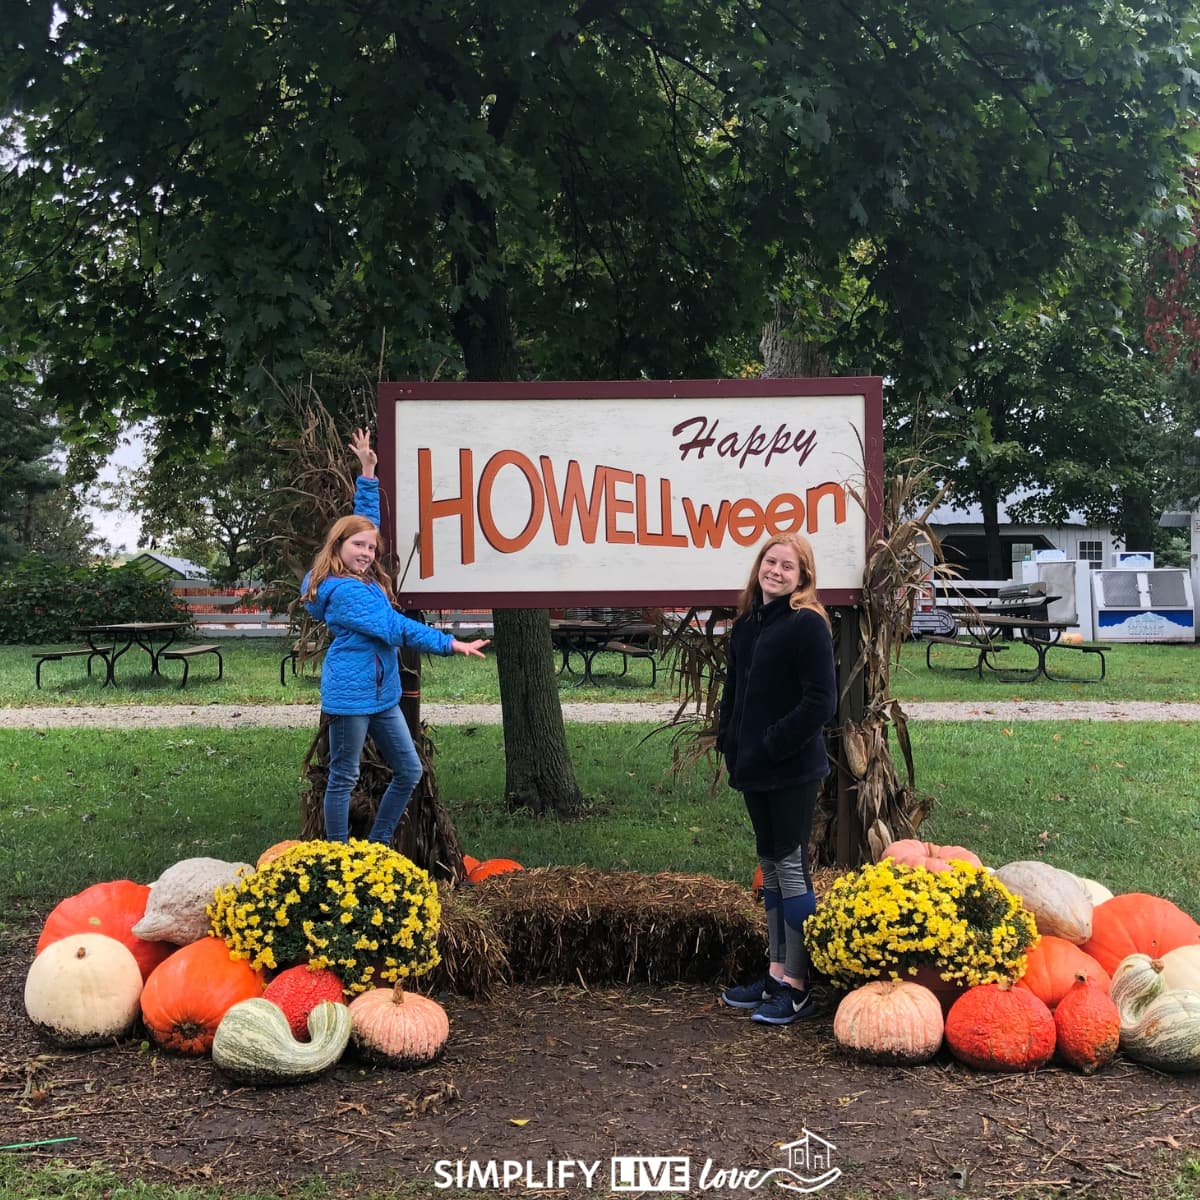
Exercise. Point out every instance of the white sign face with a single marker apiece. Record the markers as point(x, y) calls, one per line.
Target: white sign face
point(528, 499)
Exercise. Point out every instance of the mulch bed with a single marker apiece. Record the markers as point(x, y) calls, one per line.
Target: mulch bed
point(543, 1073)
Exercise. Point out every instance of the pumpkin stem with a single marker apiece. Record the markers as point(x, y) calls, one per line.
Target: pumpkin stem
point(397, 992)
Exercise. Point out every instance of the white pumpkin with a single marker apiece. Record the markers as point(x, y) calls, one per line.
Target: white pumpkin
point(84, 990)
point(1096, 891)
point(177, 908)
point(1180, 969)
point(1058, 900)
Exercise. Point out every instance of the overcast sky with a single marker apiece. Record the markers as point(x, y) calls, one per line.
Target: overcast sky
point(120, 530)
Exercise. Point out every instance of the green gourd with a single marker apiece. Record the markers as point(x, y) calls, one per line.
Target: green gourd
point(254, 1043)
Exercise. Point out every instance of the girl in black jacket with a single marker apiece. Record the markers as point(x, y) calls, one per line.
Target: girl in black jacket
point(780, 690)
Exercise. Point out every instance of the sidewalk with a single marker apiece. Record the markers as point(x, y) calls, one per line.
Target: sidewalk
point(302, 716)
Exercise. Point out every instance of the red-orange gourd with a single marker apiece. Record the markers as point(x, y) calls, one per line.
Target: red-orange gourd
point(908, 852)
point(493, 866)
point(187, 995)
point(996, 1027)
point(273, 852)
point(112, 909)
point(298, 990)
point(469, 864)
point(1054, 965)
point(756, 883)
point(1136, 923)
point(1087, 1026)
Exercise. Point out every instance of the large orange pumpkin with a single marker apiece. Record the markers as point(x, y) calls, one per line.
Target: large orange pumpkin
point(187, 995)
point(1054, 965)
point(112, 909)
point(1136, 923)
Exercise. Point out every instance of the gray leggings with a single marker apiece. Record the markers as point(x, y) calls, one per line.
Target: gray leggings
point(782, 822)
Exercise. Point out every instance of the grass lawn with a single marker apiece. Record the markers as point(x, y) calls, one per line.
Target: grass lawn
point(1118, 802)
point(1135, 672)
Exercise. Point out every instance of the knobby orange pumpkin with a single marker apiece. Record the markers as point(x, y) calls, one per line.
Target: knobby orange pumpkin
point(298, 990)
point(493, 866)
point(996, 1027)
point(1136, 923)
point(112, 909)
point(187, 995)
point(1053, 966)
point(1087, 1026)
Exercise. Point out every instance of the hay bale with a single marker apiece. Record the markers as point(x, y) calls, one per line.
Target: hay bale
point(577, 924)
point(474, 955)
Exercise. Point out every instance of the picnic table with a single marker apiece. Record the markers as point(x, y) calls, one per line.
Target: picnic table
point(617, 631)
point(110, 641)
point(987, 634)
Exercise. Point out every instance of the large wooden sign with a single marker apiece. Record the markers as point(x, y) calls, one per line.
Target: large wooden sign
point(539, 495)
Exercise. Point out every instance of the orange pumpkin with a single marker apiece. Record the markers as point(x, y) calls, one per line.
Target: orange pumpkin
point(187, 995)
point(273, 852)
point(908, 852)
point(1087, 1026)
point(397, 1028)
point(112, 909)
point(1053, 966)
point(996, 1027)
point(493, 866)
point(756, 883)
point(1136, 923)
point(889, 1021)
point(469, 864)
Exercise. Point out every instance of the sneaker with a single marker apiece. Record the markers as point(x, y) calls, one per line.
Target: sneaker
point(784, 1007)
point(751, 995)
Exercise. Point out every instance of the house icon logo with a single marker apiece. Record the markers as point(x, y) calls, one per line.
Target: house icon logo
point(809, 1164)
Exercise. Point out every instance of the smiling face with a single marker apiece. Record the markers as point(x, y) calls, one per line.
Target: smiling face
point(779, 572)
point(358, 551)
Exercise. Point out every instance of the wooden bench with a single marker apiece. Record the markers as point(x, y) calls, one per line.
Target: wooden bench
point(186, 653)
point(981, 647)
point(56, 655)
point(299, 649)
point(634, 637)
point(1097, 648)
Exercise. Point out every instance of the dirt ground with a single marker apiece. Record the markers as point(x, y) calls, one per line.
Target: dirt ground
point(539, 1076)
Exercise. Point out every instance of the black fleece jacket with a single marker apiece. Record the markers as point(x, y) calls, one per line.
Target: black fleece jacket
point(780, 690)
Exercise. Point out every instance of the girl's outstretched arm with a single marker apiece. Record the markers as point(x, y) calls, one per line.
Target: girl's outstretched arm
point(469, 648)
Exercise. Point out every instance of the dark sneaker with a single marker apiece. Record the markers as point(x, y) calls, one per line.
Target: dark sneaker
point(751, 995)
point(784, 1007)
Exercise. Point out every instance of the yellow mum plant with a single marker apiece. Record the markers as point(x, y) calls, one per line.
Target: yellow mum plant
point(361, 909)
point(887, 921)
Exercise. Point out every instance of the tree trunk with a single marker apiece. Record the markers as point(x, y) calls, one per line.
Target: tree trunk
point(787, 354)
point(538, 773)
point(989, 503)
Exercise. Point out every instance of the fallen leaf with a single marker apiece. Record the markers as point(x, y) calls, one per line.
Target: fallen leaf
point(518, 1120)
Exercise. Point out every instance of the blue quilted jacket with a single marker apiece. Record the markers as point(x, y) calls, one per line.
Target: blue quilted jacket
point(361, 674)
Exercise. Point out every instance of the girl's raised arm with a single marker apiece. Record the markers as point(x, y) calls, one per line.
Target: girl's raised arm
point(360, 444)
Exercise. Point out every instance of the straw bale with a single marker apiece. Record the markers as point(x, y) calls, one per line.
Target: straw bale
point(581, 925)
point(474, 956)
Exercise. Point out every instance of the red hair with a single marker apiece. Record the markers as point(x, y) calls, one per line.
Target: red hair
point(805, 594)
point(329, 560)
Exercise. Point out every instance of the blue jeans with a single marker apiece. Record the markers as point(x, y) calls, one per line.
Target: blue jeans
point(347, 736)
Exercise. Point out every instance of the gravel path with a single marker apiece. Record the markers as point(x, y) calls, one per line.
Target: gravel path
point(299, 716)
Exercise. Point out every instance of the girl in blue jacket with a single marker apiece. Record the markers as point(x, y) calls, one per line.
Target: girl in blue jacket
point(780, 690)
point(349, 590)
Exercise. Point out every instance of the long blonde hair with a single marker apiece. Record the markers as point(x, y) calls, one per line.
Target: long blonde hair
point(805, 594)
point(329, 560)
